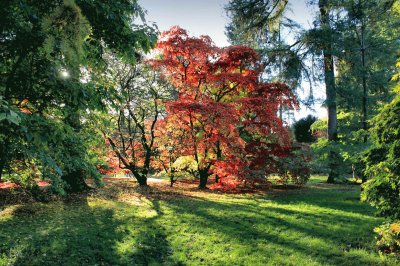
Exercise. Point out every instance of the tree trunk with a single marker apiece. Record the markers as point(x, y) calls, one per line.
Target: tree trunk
point(332, 157)
point(171, 179)
point(219, 157)
point(75, 182)
point(331, 178)
point(330, 86)
point(2, 163)
point(4, 156)
point(1, 170)
point(203, 179)
point(364, 83)
point(142, 179)
point(329, 73)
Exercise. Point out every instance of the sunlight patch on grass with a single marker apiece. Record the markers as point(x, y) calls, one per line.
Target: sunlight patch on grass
point(316, 225)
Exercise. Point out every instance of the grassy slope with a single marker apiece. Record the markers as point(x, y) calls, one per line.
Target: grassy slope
point(318, 225)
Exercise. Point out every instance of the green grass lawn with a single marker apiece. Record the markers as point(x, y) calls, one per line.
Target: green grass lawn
point(317, 225)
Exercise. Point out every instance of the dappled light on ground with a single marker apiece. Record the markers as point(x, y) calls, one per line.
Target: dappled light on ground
point(123, 224)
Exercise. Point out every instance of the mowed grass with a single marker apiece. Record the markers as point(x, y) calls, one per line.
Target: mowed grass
point(120, 225)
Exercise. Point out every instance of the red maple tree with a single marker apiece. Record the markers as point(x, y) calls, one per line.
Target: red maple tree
point(224, 107)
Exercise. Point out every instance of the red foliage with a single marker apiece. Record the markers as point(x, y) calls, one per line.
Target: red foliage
point(221, 97)
point(113, 166)
point(8, 185)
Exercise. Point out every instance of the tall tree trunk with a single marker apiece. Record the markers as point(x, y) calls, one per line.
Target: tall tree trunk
point(203, 179)
point(364, 82)
point(330, 86)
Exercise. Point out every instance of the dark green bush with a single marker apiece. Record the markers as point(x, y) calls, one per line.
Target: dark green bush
point(302, 129)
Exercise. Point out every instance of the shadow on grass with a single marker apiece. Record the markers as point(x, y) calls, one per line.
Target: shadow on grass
point(154, 248)
point(286, 229)
point(76, 233)
point(323, 227)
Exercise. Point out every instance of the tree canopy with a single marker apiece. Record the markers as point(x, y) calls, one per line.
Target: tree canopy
point(51, 53)
point(222, 107)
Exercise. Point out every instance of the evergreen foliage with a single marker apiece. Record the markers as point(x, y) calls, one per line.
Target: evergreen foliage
point(302, 129)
